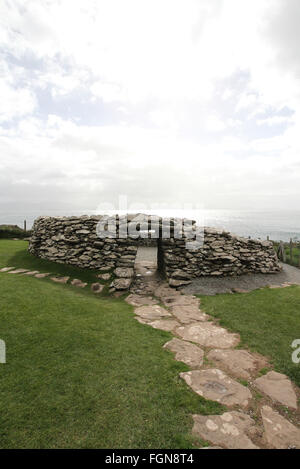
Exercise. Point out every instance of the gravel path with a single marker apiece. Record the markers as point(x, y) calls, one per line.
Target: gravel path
point(213, 286)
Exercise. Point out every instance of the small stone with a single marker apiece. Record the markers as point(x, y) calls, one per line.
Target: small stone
point(124, 272)
point(278, 387)
point(151, 312)
point(229, 429)
point(60, 279)
point(105, 268)
point(186, 352)
point(138, 300)
point(104, 277)
point(238, 362)
point(97, 287)
point(178, 283)
point(188, 314)
point(121, 283)
point(43, 275)
point(279, 432)
point(78, 283)
point(215, 385)
point(18, 271)
point(208, 335)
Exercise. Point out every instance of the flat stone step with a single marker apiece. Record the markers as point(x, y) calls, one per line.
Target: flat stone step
point(188, 314)
point(97, 287)
point(168, 325)
point(215, 385)
point(185, 352)
point(18, 271)
point(60, 279)
point(164, 291)
point(208, 335)
point(182, 300)
point(151, 312)
point(279, 432)
point(78, 283)
point(240, 363)
point(278, 387)
point(230, 429)
point(42, 275)
point(6, 269)
point(139, 300)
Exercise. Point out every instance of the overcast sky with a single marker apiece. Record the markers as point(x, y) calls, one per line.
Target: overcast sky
point(165, 101)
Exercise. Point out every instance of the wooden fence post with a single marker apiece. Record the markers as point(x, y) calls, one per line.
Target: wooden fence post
point(291, 251)
point(24, 225)
point(281, 252)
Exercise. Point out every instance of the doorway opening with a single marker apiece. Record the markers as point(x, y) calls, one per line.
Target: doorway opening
point(149, 259)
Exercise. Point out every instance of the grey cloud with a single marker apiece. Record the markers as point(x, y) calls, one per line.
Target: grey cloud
point(282, 29)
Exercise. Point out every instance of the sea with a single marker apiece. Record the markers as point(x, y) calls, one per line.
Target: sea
point(277, 225)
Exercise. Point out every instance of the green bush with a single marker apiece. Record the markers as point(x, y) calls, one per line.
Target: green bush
point(13, 231)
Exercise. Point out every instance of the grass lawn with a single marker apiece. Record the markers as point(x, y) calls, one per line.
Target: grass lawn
point(268, 321)
point(81, 372)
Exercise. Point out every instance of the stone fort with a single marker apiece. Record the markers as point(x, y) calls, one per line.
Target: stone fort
point(184, 251)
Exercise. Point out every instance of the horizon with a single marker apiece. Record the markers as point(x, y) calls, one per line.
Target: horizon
point(164, 103)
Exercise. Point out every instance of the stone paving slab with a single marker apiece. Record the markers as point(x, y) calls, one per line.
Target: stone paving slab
point(186, 352)
point(215, 385)
point(208, 335)
point(42, 275)
point(78, 283)
point(18, 271)
point(60, 279)
point(168, 325)
point(97, 287)
point(6, 269)
point(151, 312)
point(229, 429)
point(138, 300)
point(188, 314)
point(240, 363)
point(32, 272)
point(279, 432)
point(278, 387)
point(182, 300)
point(163, 290)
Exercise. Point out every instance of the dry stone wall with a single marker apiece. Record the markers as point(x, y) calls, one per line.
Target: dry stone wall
point(222, 254)
point(74, 240)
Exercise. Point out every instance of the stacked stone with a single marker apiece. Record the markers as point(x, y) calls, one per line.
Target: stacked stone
point(221, 254)
point(181, 255)
point(74, 240)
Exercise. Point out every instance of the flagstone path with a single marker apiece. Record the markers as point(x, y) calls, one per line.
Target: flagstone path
point(216, 367)
point(95, 287)
point(220, 372)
